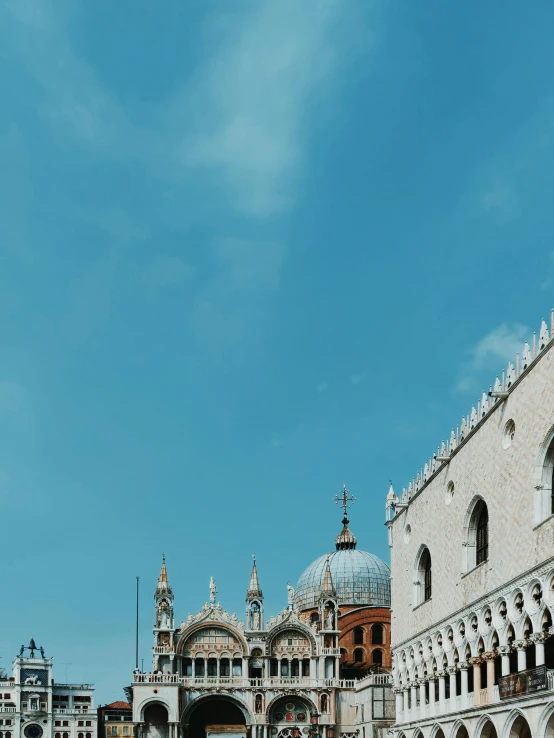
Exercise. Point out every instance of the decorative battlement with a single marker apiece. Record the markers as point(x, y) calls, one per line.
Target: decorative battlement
point(472, 420)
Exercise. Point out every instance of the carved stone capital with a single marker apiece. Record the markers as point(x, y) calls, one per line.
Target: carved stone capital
point(539, 637)
point(504, 650)
point(489, 656)
point(474, 660)
point(521, 645)
point(452, 670)
point(463, 666)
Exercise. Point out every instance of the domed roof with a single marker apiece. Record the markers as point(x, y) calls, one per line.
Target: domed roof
point(358, 577)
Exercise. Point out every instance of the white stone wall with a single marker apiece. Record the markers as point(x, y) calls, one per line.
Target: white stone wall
point(519, 536)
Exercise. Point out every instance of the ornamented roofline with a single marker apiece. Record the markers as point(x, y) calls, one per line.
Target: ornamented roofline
point(485, 405)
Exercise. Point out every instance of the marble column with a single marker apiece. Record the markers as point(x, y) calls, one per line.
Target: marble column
point(538, 639)
point(476, 663)
point(442, 691)
point(432, 708)
point(463, 667)
point(414, 699)
point(504, 652)
point(490, 658)
point(422, 705)
point(399, 697)
point(452, 685)
point(521, 654)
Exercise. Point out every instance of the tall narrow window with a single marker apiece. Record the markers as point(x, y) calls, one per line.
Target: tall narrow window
point(423, 579)
point(377, 656)
point(358, 635)
point(358, 654)
point(427, 577)
point(482, 539)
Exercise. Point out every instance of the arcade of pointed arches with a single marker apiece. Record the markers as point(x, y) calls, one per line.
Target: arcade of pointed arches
point(514, 632)
point(515, 725)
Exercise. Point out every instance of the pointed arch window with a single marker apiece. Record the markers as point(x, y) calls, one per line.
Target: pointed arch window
point(427, 588)
point(482, 539)
point(423, 577)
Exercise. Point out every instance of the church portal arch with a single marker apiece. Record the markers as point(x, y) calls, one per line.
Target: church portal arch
point(156, 720)
point(216, 709)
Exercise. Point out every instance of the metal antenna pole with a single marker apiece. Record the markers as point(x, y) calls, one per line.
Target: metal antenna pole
point(137, 628)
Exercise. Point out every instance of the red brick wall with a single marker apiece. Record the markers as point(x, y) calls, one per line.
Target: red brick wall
point(352, 616)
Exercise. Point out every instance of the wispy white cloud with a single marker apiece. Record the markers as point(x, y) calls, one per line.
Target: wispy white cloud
point(252, 99)
point(242, 118)
point(492, 352)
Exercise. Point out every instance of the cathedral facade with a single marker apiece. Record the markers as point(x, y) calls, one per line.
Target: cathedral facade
point(472, 541)
point(318, 668)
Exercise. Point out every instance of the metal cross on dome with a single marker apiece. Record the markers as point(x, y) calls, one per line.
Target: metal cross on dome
point(345, 499)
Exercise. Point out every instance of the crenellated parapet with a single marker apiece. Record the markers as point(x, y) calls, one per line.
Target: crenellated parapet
point(475, 417)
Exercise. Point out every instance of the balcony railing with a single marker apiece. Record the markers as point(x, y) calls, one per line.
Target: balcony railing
point(377, 680)
point(246, 683)
point(330, 651)
point(8, 709)
point(71, 710)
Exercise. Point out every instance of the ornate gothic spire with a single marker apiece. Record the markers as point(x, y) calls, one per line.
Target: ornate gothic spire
point(164, 587)
point(345, 539)
point(327, 586)
point(254, 590)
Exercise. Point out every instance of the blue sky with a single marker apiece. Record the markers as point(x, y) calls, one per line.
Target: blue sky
point(248, 250)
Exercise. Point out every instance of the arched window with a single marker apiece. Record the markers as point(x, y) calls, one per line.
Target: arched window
point(427, 577)
point(482, 543)
point(476, 546)
point(377, 634)
point(324, 703)
point(377, 656)
point(423, 580)
point(544, 490)
point(358, 654)
point(358, 635)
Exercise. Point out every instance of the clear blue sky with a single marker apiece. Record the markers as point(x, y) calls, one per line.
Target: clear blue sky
point(248, 250)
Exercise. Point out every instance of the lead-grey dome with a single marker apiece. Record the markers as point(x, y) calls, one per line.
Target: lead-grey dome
point(359, 578)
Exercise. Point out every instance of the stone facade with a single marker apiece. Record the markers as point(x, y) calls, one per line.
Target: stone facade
point(472, 552)
point(32, 705)
point(279, 678)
